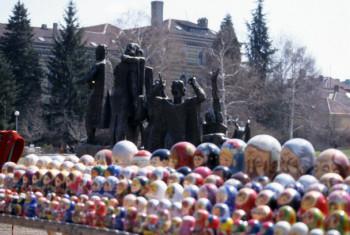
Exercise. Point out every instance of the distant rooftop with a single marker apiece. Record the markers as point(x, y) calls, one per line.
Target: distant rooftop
point(183, 26)
point(94, 35)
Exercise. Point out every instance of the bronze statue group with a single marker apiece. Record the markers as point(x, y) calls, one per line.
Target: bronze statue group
point(132, 105)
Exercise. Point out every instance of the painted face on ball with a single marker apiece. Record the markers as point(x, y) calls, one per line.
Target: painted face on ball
point(325, 166)
point(285, 198)
point(226, 158)
point(155, 161)
point(173, 161)
point(309, 200)
point(331, 161)
point(95, 187)
point(242, 197)
point(261, 212)
point(135, 186)
point(107, 187)
point(257, 162)
point(198, 160)
point(170, 192)
point(290, 163)
point(94, 173)
point(338, 220)
point(221, 196)
point(263, 197)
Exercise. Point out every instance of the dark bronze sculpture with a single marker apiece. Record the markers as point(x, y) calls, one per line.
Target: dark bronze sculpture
point(182, 119)
point(128, 92)
point(124, 102)
point(155, 130)
point(242, 132)
point(214, 121)
point(100, 80)
point(214, 129)
point(194, 129)
point(172, 121)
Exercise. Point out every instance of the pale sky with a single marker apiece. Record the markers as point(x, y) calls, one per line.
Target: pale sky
point(323, 26)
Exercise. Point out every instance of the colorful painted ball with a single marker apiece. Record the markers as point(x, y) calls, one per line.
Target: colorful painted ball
point(206, 154)
point(181, 154)
point(339, 200)
point(313, 218)
point(104, 157)
point(331, 161)
point(141, 158)
point(313, 199)
point(123, 152)
point(282, 228)
point(286, 213)
point(262, 213)
point(338, 220)
point(299, 228)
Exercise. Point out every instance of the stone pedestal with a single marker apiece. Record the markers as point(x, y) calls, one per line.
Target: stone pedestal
point(90, 149)
point(215, 138)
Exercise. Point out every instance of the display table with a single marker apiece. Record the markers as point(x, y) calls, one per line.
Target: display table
point(64, 228)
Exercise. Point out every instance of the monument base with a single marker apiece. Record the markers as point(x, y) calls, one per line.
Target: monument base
point(215, 138)
point(91, 149)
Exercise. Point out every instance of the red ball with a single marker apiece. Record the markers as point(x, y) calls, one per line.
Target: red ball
point(203, 171)
point(181, 154)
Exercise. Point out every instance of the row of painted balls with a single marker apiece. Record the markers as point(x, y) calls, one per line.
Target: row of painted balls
point(238, 192)
point(262, 155)
point(138, 215)
point(109, 179)
point(201, 183)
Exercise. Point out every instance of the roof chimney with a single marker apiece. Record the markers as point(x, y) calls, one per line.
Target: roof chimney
point(336, 90)
point(157, 13)
point(202, 22)
point(44, 26)
point(55, 30)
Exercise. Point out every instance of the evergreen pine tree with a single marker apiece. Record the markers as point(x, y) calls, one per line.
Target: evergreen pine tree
point(259, 48)
point(16, 45)
point(68, 65)
point(7, 94)
point(227, 41)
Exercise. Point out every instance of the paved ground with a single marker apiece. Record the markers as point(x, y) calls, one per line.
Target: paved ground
point(6, 229)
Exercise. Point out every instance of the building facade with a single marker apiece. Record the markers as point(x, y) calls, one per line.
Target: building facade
point(191, 39)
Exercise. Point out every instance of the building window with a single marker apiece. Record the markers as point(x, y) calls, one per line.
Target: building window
point(201, 58)
point(195, 55)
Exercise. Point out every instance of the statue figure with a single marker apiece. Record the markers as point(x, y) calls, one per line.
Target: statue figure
point(214, 129)
point(100, 80)
point(214, 121)
point(155, 130)
point(242, 132)
point(182, 121)
point(128, 92)
point(172, 121)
